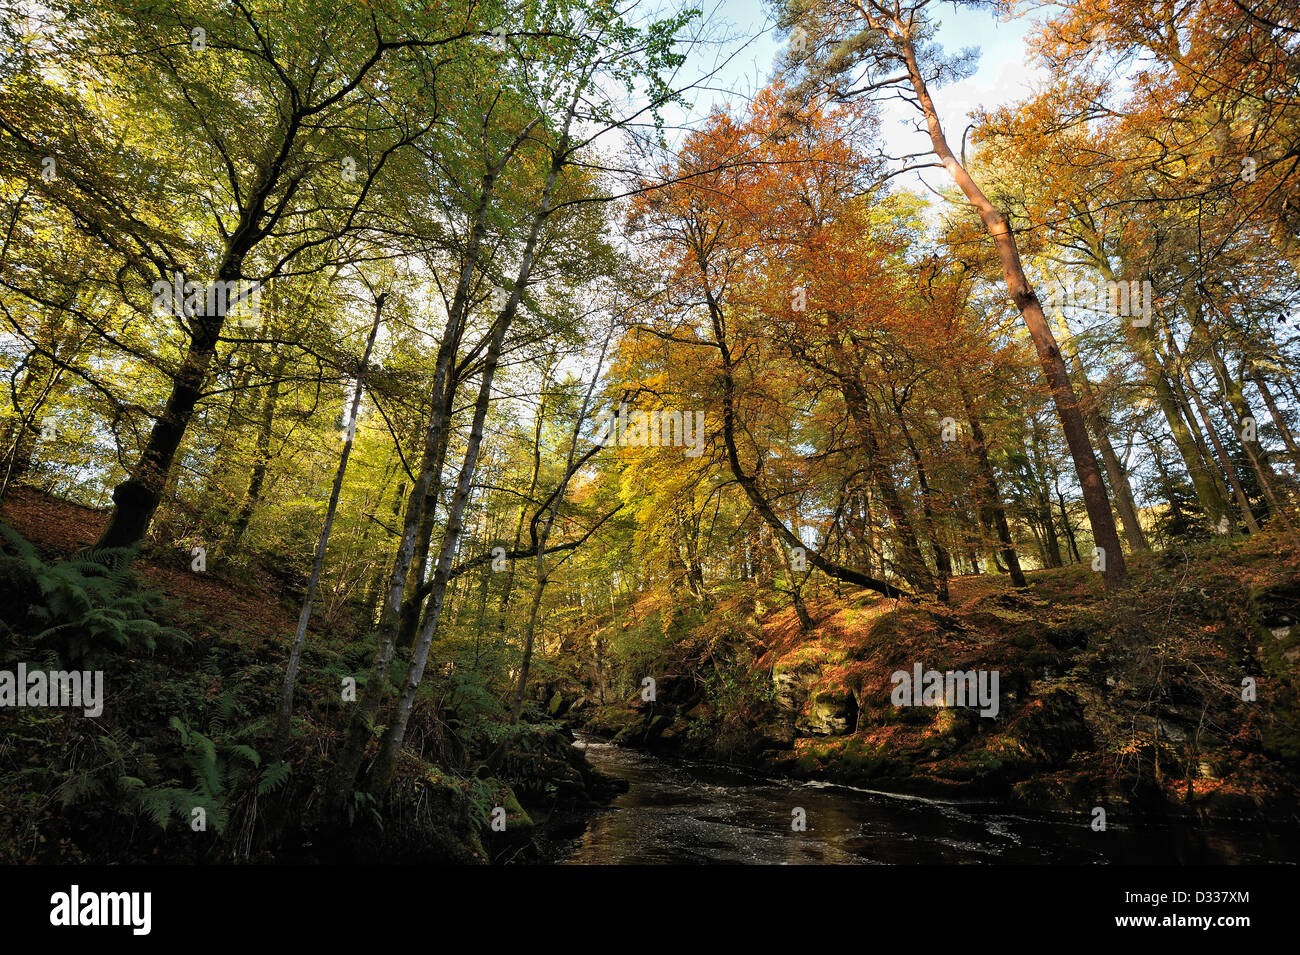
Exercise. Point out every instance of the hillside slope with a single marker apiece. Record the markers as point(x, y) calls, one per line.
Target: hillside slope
point(1134, 699)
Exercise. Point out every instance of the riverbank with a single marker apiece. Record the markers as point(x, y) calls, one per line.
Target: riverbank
point(181, 766)
point(1175, 698)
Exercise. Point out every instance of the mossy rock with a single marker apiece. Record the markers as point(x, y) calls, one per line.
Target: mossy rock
point(829, 713)
point(1045, 733)
point(517, 817)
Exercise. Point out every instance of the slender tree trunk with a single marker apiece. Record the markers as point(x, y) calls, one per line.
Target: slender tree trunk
point(1121, 490)
point(391, 744)
point(261, 455)
point(360, 726)
point(508, 587)
point(911, 563)
point(1065, 523)
point(1182, 430)
point(1043, 500)
point(992, 497)
point(367, 708)
point(1235, 406)
point(544, 535)
point(1278, 420)
point(395, 735)
point(24, 424)
point(285, 712)
point(376, 592)
point(942, 559)
point(796, 588)
point(409, 618)
point(747, 482)
point(1225, 461)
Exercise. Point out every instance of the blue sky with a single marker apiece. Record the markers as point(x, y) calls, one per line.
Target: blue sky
point(752, 44)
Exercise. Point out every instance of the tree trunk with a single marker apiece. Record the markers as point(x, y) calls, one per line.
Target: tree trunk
point(1278, 420)
point(409, 618)
point(1225, 460)
point(1067, 405)
point(285, 713)
point(942, 559)
point(261, 455)
point(993, 499)
point(1065, 522)
point(1120, 488)
point(1042, 498)
point(1206, 487)
point(544, 533)
point(360, 726)
point(395, 735)
point(911, 562)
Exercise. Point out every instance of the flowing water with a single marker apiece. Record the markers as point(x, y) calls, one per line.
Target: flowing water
point(678, 811)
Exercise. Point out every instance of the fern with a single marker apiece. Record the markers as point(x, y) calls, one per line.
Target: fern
point(273, 777)
point(80, 607)
point(220, 765)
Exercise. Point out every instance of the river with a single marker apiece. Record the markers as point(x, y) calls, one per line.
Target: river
point(679, 811)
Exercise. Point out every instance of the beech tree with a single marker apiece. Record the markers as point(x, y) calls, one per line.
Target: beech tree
point(277, 146)
point(893, 47)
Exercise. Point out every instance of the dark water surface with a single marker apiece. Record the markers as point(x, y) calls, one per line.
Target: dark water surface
point(678, 811)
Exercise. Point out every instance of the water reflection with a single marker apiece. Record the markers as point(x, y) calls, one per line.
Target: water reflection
point(676, 811)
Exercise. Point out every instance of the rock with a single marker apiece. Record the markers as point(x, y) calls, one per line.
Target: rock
point(516, 817)
point(829, 713)
point(776, 735)
point(1170, 731)
point(793, 682)
point(1046, 733)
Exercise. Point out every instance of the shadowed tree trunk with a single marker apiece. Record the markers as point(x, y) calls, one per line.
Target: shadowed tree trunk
point(993, 500)
point(261, 455)
point(1278, 420)
point(543, 534)
point(1225, 461)
point(911, 562)
point(394, 736)
point(1121, 490)
point(942, 560)
point(367, 708)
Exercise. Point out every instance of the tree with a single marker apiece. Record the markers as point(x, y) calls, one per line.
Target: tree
point(897, 37)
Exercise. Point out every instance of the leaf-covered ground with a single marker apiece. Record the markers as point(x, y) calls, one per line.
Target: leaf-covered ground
point(1131, 699)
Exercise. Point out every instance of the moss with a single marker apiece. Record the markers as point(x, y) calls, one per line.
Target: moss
point(516, 816)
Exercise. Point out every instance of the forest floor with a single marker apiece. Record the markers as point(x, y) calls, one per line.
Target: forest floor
point(1134, 698)
point(255, 610)
point(185, 722)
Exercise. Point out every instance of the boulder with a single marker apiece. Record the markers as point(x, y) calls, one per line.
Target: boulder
point(829, 713)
